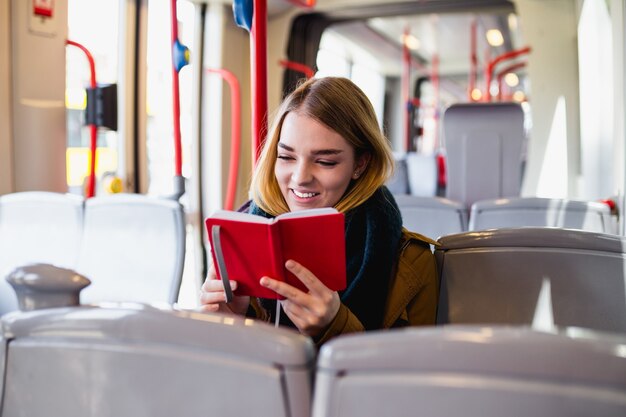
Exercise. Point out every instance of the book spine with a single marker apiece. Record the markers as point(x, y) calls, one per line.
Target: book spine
point(278, 263)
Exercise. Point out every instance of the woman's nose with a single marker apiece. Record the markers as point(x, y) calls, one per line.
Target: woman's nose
point(302, 173)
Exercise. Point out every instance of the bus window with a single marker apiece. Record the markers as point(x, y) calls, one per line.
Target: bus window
point(94, 24)
point(341, 57)
point(160, 134)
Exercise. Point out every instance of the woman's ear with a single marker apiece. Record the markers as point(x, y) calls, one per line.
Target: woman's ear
point(361, 165)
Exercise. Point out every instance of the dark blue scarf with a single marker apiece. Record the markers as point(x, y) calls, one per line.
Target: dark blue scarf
point(373, 232)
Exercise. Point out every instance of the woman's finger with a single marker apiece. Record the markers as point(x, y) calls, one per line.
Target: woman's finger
point(212, 297)
point(287, 291)
point(294, 310)
point(295, 313)
point(209, 308)
point(306, 321)
point(306, 277)
point(211, 285)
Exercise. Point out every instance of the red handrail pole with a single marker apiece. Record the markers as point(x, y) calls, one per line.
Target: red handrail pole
point(491, 65)
point(486, 60)
point(503, 72)
point(92, 64)
point(473, 60)
point(406, 85)
point(442, 179)
point(258, 59)
point(178, 162)
point(93, 142)
point(299, 67)
point(93, 130)
point(235, 134)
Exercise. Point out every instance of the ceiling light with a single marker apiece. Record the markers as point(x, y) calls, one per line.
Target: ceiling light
point(511, 79)
point(476, 94)
point(519, 96)
point(494, 37)
point(411, 42)
point(512, 18)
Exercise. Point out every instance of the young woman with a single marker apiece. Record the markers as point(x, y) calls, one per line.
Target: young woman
point(325, 149)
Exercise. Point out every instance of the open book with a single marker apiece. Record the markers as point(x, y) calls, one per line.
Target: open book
point(246, 247)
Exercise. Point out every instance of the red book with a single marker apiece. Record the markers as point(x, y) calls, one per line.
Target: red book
point(246, 247)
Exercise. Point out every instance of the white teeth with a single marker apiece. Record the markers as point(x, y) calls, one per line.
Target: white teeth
point(303, 195)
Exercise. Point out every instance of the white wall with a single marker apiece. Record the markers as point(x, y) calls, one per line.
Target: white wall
point(618, 19)
point(596, 98)
point(553, 166)
point(38, 97)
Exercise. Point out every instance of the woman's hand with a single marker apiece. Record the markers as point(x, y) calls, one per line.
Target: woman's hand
point(213, 298)
point(311, 312)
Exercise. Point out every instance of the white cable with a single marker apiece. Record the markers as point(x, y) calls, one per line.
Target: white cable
point(277, 318)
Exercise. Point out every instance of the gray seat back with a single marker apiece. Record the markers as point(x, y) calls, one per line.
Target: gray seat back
point(473, 372)
point(134, 360)
point(533, 211)
point(39, 227)
point(484, 144)
point(539, 276)
point(399, 182)
point(432, 216)
point(133, 250)
point(422, 174)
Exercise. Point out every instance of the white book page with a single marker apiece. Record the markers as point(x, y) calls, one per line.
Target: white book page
point(252, 218)
point(238, 216)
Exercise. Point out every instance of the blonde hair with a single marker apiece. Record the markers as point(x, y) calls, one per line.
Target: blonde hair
point(341, 106)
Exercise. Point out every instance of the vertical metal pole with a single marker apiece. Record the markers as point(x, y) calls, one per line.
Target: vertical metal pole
point(258, 60)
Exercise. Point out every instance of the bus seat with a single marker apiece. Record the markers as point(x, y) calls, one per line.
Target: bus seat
point(41, 227)
point(399, 182)
point(473, 372)
point(422, 174)
point(133, 249)
point(484, 144)
point(432, 216)
point(543, 277)
point(534, 211)
point(136, 360)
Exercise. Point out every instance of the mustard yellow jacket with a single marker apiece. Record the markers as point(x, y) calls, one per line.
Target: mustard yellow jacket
point(413, 291)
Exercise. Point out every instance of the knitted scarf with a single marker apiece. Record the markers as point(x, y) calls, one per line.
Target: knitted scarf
point(372, 232)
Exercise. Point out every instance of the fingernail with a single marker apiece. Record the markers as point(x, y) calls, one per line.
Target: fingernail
point(290, 264)
point(263, 281)
point(233, 285)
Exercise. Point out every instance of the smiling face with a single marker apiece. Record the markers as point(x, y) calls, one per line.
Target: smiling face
point(314, 164)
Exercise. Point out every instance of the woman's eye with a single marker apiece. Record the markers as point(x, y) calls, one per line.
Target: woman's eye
point(327, 163)
point(285, 157)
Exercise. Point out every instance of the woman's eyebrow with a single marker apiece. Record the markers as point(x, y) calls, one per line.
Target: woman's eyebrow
point(317, 152)
point(285, 147)
point(327, 152)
